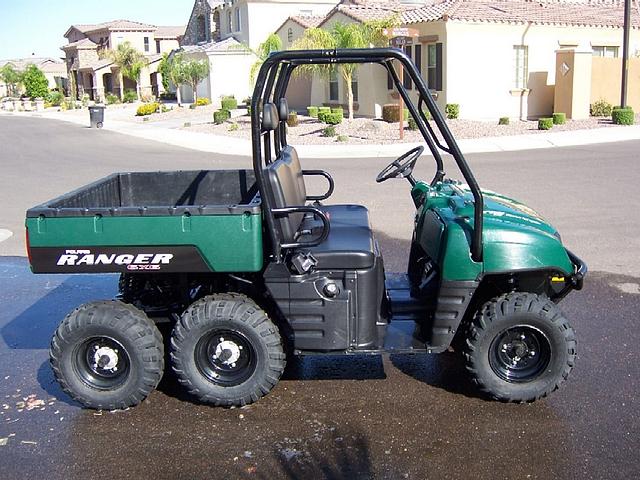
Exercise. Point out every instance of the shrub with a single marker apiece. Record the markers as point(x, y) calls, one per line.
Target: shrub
point(186, 124)
point(35, 83)
point(110, 98)
point(329, 131)
point(427, 113)
point(129, 96)
point(390, 113)
point(192, 106)
point(202, 102)
point(292, 119)
point(601, 108)
point(247, 101)
point(559, 118)
point(412, 124)
point(623, 116)
point(312, 111)
point(55, 98)
point(545, 123)
point(503, 121)
point(342, 138)
point(338, 110)
point(220, 116)
point(147, 109)
point(85, 100)
point(229, 103)
point(452, 110)
point(322, 111)
point(234, 127)
point(332, 118)
point(249, 110)
point(167, 96)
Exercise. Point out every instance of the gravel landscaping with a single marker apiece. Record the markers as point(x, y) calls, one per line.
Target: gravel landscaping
point(363, 131)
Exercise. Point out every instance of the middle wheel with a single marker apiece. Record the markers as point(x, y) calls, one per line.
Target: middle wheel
point(226, 351)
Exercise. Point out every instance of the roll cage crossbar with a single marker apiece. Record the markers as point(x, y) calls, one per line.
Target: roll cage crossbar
point(271, 85)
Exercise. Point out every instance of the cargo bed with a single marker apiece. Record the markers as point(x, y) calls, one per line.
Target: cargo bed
point(180, 221)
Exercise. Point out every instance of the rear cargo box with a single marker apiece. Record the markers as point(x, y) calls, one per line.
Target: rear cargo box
point(182, 221)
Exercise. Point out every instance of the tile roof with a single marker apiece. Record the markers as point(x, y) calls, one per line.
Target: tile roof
point(593, 13)
point(169, 32)
point(115, 25)
point(363, 13)
point(84, 43)
point(22, 63)
point(308, 21)
point(228, 44)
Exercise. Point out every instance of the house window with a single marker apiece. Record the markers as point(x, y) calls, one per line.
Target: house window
point(417, 57)
point(333, 86)
point(229, 24)
point(146, 44)
point(354, 86)
point(157, 46)
point(406, 79)
point(521, 65)
point(290, 35)
point(432, 66)
point(609, 52)
point(238, 24)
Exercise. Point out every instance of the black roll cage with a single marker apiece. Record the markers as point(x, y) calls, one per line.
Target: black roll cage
point(271, 85)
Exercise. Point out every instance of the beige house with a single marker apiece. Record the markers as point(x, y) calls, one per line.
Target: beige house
point(96, 75)
point(494, 58)
point(53, 68)
point(220, 31)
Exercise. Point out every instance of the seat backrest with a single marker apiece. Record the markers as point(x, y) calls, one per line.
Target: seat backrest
point(284, 178)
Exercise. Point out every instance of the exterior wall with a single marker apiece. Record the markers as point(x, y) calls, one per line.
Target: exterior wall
point(480, 71)
point(166, 45)
point(87, 56)
point(606, 78)
point(200, 9)
point(136, 39)
point(299, 88)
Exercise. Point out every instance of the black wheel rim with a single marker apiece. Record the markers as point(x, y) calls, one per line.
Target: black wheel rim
point(102, 363)
point(520, 354)
point(225, 357)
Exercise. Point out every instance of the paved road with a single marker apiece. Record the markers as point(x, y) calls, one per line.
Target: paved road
point(362, 417)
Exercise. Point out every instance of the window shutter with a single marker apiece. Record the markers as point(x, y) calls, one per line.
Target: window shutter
point(417, 53)
point(438, 67)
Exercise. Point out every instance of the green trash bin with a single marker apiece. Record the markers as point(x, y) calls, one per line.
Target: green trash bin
point(96, 116)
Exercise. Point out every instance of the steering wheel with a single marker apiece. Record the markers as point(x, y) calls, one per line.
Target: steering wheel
point(401, 166)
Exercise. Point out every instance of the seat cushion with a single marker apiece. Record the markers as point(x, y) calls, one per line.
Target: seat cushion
point(347, 247)
point(347, 215)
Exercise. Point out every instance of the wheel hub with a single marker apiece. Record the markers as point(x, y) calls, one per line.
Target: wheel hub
point(225, 357)
point(227, 352)
point(520, 354)
point(105, 358)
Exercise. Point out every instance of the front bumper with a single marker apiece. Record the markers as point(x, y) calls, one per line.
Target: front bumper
point(576, 280)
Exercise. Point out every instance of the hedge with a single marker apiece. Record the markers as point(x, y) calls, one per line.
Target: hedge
point(228, 103)
point(503, 121)
point(390, 113)
point(219, 116)
point(292, 119)
point(312, 111)
point(452, 110)
point(545, 123)
point(623, 116)
point(332, 118)
point(559, 118)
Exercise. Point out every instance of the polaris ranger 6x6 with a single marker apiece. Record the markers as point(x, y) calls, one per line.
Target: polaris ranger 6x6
point(250, 268)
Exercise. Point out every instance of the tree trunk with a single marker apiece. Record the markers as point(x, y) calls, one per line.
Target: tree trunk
point(194, 86)
point(138, 89)
point(121, 80)
point(348, 80)
point(178, 96)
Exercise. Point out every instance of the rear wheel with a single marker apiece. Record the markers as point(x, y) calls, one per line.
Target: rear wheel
point(226, 351)
point(107, 355)
point(520, 347)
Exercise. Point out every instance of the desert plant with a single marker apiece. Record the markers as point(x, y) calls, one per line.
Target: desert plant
point(147, 109)
point(545, 123)
point(229, 103)
point(623, 116)
point(339, 110)
point(343, 35)
point(601, 108)
point(503, 121)
point(130, 61)
point(322, 111)
point(55, 98)
point(332, 118)
point(312, 111)
point(35, 83)
point(129, 96)
point(342, 138)
point(110, 98)
point(412, 124)
point(452, 110)
point(390, 113)
point(220, 116)
point(292, 119)
point(234, 127)
point(559, 118)
point(329, 131)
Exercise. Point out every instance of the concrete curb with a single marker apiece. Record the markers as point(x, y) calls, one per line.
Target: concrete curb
point(235, 146)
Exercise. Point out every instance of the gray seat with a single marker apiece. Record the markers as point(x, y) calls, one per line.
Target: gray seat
point(350, 243)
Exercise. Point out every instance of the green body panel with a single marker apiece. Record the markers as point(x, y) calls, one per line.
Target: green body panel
point(228, 243)
point(515, 238)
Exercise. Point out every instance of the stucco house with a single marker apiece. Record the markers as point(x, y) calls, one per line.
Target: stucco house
point(221, 31)
point(53, 68)
point(492, 57)
point(96, 75)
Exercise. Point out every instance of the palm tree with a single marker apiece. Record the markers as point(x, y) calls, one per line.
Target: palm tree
point(130, 62)
point(342, 35)
point(271, 44)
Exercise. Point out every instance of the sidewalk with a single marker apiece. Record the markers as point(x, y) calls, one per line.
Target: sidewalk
point(235, 146)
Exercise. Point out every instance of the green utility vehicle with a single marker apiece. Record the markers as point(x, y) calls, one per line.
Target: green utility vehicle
point(251, 269)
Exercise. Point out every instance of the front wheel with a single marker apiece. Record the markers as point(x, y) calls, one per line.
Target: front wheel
point(520, 347)
point(226, 351)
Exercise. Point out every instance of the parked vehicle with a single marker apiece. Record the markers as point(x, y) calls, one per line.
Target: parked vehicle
point(249, 271)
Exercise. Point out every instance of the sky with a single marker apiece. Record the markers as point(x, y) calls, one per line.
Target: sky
point(37, 26)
